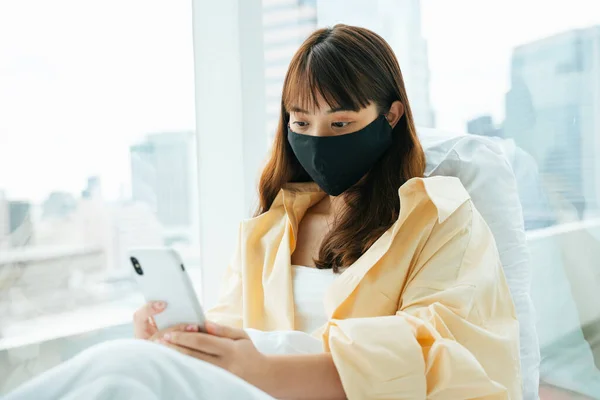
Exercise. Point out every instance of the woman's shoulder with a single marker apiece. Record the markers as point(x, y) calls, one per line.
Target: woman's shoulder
point(447, 194)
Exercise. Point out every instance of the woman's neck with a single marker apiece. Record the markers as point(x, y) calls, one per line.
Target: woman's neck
point(330, 205)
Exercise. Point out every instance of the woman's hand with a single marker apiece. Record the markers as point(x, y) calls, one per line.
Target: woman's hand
point(143, 323)
point(299, 376)
point(225, 347)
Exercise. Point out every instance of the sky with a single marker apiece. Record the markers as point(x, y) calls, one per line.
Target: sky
point(81, 81)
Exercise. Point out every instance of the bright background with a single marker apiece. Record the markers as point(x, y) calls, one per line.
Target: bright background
point(142, 123)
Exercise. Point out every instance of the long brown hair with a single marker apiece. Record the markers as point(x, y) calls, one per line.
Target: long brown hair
point(349, 67)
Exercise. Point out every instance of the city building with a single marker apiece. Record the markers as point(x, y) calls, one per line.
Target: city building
point(399, 23)
point(553, 113)
point(163, 177)
point(93, 188)
point(4, 221)
point(483, 126)
point(113, 228)
point(131, 225)
point(286, 24)
point(20, 226)
point(58, 205)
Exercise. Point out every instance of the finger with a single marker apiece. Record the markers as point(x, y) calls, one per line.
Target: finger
point(161, 333)
point(148, 310)
point(143, 331)
point(225, 331)
point(192, 353)
point(202, 342)
point(175, 328)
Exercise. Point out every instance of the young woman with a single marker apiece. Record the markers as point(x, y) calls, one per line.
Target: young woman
point(397, 276)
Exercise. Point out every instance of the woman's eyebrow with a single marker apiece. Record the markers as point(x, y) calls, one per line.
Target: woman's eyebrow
point(339, 109)
point(330, 111)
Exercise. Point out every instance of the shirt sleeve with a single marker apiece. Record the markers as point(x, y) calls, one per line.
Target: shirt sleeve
point(229, 307)
point(455, 333)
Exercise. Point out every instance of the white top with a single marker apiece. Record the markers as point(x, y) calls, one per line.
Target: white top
point(310, 285)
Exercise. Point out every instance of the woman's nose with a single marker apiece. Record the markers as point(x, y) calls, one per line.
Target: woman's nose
point(321, 132)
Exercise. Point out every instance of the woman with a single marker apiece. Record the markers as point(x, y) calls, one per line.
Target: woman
point(415, 300)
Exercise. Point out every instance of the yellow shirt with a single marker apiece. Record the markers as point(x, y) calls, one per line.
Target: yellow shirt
point(424, 313)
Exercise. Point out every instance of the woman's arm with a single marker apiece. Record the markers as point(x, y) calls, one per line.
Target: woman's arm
point(455, 333)
point(302, 376)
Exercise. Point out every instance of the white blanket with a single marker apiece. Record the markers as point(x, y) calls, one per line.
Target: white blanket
point(137, 369)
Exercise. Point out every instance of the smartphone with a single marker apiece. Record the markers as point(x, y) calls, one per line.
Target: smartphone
point(161, 276)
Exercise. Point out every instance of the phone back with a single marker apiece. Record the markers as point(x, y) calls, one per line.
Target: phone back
point(163, 278)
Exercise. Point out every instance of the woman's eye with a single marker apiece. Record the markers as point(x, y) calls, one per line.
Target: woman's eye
point(301, 124)
point(340, 124)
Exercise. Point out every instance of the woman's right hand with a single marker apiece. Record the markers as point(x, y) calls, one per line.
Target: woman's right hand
point(143, 323)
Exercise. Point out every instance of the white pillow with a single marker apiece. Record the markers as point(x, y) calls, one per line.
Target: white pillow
point(483, 169)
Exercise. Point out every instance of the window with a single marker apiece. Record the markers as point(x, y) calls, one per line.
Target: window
point(97, 155)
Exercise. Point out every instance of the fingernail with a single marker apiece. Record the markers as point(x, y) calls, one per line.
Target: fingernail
point(167, 336)
point(159, 305)
point(192, 328)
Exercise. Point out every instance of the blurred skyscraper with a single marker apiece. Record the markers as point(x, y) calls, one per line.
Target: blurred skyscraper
point(4, 222)
point(286, 23)
point(93, 188)
point(553, 113)
point(483, 126)
point(58, 205)
point(132, 225)
point(162, 177)
point(399, 23)
point(20, 226)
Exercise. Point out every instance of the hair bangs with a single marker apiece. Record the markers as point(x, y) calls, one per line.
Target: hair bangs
point(314, 78)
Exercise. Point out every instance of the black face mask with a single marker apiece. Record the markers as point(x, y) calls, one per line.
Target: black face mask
point(336, 163)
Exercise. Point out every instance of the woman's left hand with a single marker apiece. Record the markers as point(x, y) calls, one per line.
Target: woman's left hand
point(223, 346)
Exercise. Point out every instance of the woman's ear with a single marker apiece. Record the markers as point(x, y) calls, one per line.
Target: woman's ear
point(395, 113)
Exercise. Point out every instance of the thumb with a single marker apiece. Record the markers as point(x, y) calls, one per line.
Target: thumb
point(225, 331)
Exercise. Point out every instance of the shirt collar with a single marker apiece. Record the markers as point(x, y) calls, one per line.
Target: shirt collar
point(446, 193)
point(296, 199)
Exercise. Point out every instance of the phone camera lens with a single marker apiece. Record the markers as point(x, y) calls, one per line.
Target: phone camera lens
point(136, 266)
